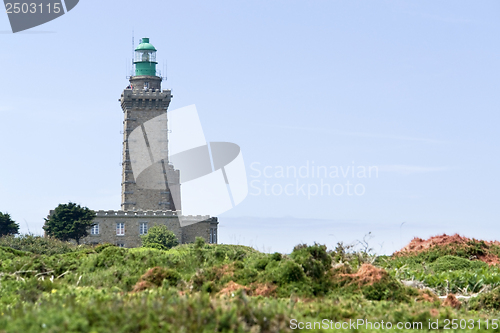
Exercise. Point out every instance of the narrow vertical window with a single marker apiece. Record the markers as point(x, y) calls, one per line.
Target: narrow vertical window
point(143, 228)
point(120, 229)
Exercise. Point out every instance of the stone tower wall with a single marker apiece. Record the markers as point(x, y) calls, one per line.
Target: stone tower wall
point(140, 106)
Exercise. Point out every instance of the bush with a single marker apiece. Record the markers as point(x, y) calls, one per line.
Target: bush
point(87, 290)
point(159, 237)
point(489, 301)
point(157, 275)
point(291, 272)
point(276, 256)
point(10, 253)
point(388, 289)
point(109, 256)
point(99, 248)
point(261, 264)
point(453, 263)
point(314, 259)
point(38, 244)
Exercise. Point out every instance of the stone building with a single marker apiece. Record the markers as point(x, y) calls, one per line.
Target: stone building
point(151, 188)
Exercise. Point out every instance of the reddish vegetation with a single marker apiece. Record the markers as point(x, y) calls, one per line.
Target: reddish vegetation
point(152, 278)
point(434, 312)
point(367, 275)
point(419, 245)
point(155, 275)
point(264, 290)
point(426, 296)
point(452, 301)
point(455, 241)
point(231, 287)
point(256, 289)
point(141, 286)
point(221, 271)
point(490, 259)
point(226, 270)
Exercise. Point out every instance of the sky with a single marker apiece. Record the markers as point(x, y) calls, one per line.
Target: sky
point(406, 89)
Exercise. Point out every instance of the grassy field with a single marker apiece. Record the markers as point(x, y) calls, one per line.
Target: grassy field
point(51, 286)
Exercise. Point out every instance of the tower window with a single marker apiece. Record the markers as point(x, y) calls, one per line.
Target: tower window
point(120, 229)
point(143, 228)
point(213, 236)
point(94, 230)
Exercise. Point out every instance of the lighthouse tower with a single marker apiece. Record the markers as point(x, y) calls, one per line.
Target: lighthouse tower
point(149, 181)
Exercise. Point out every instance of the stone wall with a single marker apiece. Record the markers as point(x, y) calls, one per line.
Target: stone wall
point(108, 220)
point(206, 229)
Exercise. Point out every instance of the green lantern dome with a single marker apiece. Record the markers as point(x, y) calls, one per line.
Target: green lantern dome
point(145, 58)
point(145, 45)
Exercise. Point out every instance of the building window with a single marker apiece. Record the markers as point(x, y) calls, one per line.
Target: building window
point(94, 230)
point(120, 245)
point(213, 235)
point(120, 229)
point(143, 228)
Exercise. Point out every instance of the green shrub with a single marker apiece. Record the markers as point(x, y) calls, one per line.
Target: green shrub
point(159, 275)
point(110, 256)
point(246, 276)
point(99, 248)
point(388, 289)
point(486, 301)
point(261, 264)
point(314, 260)
point(159, 237)
point(10, 253)
point(239, 254)
point(93, 295)
point(39, 244)
point(291, 272)
point(454, 263)
point(220, 253)
point(33, 289)
point(276, 256)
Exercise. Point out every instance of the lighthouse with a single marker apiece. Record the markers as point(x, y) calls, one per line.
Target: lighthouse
point(150, 185)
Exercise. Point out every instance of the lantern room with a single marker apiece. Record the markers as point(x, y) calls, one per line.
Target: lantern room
point(145, 58)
